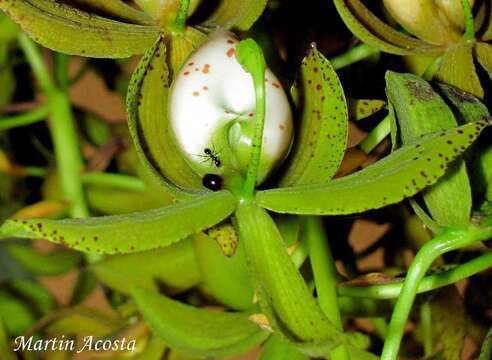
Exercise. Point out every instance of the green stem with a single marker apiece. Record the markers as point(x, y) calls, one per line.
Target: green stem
point(325, 277)
point(448, 241)
point(251, 58)
point(35, 59)
point(180, 22)
point(426, 326)
point(26, 118)
point(61, 70)
point(117, 181)
point(376, 136)
point(429, 283)
point(353, 55)
point(469, 33)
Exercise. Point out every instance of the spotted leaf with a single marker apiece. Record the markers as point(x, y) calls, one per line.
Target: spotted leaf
point(419, 111)
point(322, 137)
point(198, 332)
point(362, 108)
point(401, 174)
point(68, 30)
point(120, 10)
point(130, 232)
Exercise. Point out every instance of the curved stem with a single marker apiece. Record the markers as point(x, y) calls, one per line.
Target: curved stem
point(448, 241)
point(469, 33)
point(376, 136)
point(429, 283)
point(117, 181)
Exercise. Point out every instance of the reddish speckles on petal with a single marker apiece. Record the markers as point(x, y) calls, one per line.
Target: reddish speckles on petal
point(197, 69)
point(281, 127)
point(231, 52)
point(206, 68)
point(205, 88)
point(186, 73)
point(251, 114)
point(276, 85)
point(230, 41)
point(196, 93)
point(191, 64)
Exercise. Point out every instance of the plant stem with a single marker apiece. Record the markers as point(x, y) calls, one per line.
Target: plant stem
point(377, 135)
point(353, 55)
point(469, 33)
point(182, 15)
point(117, 181)
point(325, 277)
point(26, 118)
point(429, 283)
point(35, 59)
point(448, 241)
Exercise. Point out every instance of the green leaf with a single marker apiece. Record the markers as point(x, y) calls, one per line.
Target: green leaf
point(85, 284)
point(150, 129)
point(23, 319)
point(154, 349)
point(368, 28)
point(120, 10)
point(282, 292)
point(420, 111)
point(401, 174)
point(33, 293)
point(198, 332)
point(131, 232)
point(483, 53)
point(486, 350)
point(71, 31)
point(277, 349)
point(174, 267)
point(322, 138)
point(240, 15)
point(5, 350)
point(359, 109)
point(458, 69)
point(225, 279)
point(45, 264)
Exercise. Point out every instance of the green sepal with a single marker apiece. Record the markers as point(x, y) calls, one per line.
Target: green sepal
point(367, 27)
point(486, 350)
point(149, 129)
point(277, 349)
point(483, 53)
point(120, 10)
point(240, 15)
point(458, 69)
point(130, 232)
point(225, 279)
point(45, 264)
point(359, 109)
point(399, 175)
point(420, 111)
point(282, 292)
point(322, 138)
point(66, 29)
point(173, 268)
point(198, 332)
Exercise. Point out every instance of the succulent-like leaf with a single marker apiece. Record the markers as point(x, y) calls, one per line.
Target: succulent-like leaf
point(120, 10)
point(130, 232)
point(47, 264)
point(359, 109)
point(483, 53)
point(225, 279)
point(466, 107)
point(277, 349)
point(148, 91)
point(279, 285)
point(240, 15)
point(420, 111)
point(68, 30)
point(173, 267)
point(401, 174)
point(323, 133)
point(367, 27)
point(457, 69)
point(195, 331)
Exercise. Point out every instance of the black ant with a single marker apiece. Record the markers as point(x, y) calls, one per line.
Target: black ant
point(212, 156)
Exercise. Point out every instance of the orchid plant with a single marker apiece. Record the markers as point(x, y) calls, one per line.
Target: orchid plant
point(244, 172)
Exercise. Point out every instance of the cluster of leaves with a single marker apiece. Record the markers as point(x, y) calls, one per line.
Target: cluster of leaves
point(161, 235)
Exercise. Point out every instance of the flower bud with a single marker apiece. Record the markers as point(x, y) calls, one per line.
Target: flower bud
point(212, 112)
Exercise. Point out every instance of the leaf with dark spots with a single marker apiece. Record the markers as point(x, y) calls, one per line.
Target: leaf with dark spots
point(71, 31)
point(388, 181)
point(322, 138)
point(362, 108)
point(130, 232)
